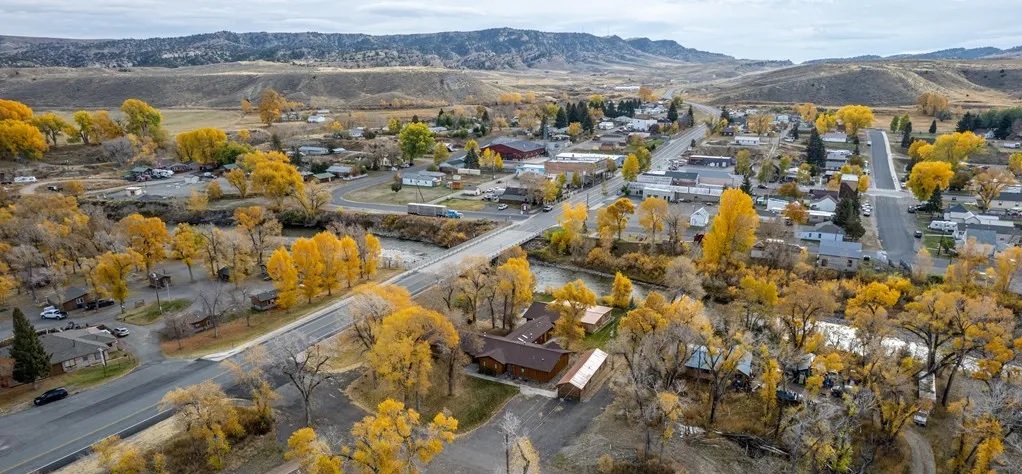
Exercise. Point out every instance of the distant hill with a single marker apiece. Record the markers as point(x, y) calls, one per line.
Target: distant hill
point(983, 82)
point(953, 53)
point(501, 48)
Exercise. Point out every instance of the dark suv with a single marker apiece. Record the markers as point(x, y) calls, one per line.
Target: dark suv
point(100, 303)
point(51, 396)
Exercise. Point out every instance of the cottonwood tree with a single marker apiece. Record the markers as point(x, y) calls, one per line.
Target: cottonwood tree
point(277, 181)
point(370, 303)
point(111, 274)
point(329, 247)
point(177, 327)
point(312, 199)
point(217, 302)
point(261, 227)
point(724, 348)
point(613, 219)
point(147, 236)
point(199, 145)
point(402, 354)
point(350, 259)
point(305, 365)
point(571, 302)
point(652, 212)
point(989, 184)
point(732, 232)
point(209, 416)
point(515, 283)
point(239, 180)
point(309, 263)
point(186, 245)
point(519, 454)
point(281, 269)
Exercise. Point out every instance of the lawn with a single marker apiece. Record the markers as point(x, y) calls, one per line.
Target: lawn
point(150, 313)
point(382, 194)
point(465, 204)
point(931, 241)
point(599, 339)
point(74, 381)
point(474, 401)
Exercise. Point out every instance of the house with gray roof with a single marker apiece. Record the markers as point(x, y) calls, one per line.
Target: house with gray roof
point(1007, 201)
point(840, 256)
point(74, 349)
point(824, 231)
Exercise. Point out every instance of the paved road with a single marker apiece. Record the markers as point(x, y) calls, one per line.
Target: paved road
point(38, 437)
point(893, 221)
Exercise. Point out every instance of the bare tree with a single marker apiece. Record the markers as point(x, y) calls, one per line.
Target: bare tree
point(119, 150)
point(177, 327)
point(28, 263)
point(218, 302)
point(519, 455)
point(304, 364)
point(682, 276)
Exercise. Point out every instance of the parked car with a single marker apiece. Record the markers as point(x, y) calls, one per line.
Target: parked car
point(789, 396)
point(762, 186)
point(52, 313)
point(921, 417)
point(548, 208)
point(912, 209)
point(919, 234)
point(867, 213)
point(50, 396)
point(501, 207)
point(121, 332)
point(100, 303)
point(55, 189)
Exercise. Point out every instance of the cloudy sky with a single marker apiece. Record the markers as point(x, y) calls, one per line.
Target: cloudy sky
point(759, 29)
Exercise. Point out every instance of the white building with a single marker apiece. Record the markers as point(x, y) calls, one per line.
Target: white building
point(827, 204)
point(746, 140)
point(316, 119)
point(424, 179)
point(835, 137)
point(824, 231)
point(605, 126)
point(700, 218)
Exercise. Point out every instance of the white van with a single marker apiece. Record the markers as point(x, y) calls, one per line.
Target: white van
point(24, 179)
point(943, 226)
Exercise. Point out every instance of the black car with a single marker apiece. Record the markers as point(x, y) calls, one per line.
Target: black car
point(50, 396)
point(100, 303)
point(912, 209)
point(788, 396)
point(762, 186)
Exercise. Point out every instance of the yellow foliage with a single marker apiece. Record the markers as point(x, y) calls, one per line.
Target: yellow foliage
point(393, 441)
point(953, 148)
point(281, 269)
point(21, 140)
point(147, 236)
point(652, 213)
point(277, 181)
point(402, 354)
point(732, 232)
point(309, 264)
point(621, 291)
point(855, 118)
point(928, 176)
point(14, 110)
point(199, 145)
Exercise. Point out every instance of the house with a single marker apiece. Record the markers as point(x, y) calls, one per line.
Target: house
point(747, 141)
point(612, 141)
point(74, 349)
point(982, 237)
point(535, 331)
point(835, 160)
point(264, 301)
point(840, 256)
point(958, 213)
point(159, 280)
point(511, 149)
point(641, 125)
point(711, 161)
point(827, 203)
point(181, 167)
point(816, 217)
point(306, 176)
point(835, 137)
point(594, 318)
point(772, 249)
point(776, 204)
point(728, 131)
point(1007, 201)
point(824, 231)
point(323, 177)
point(139, 171)
point(583, 379)
point(701, 362)
point(316, 119)
point(313, 150)
point(605, 126)
point(849, 185)
point(537, 168)
point(700, 218)
point(822, 193)
point(340, 171)
point(501, 356)
point(74, 297)
point(450, 166)
point(426, 179)
point(514, 195)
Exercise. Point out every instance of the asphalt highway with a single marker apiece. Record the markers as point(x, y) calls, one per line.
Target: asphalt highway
point(890, 207)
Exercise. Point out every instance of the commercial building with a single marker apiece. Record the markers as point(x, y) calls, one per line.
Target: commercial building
point(511, 149)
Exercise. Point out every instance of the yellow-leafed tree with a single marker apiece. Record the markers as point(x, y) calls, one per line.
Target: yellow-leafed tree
point(141, 119)
point(309, 264)
point(277, 181)
point(929, 176)
point(394, 440)
point(613, 219)
point(199, 145)
point(14, 110)
point(621, 291)
point(652, 213)
point(370, 254)
point(21, 140)
point(329, 247)
point(281, 269)
point(855, 118)
point(186, 245)
point(952, 148)
point(403, 353)
point(148, 237)
point(732, 232)
point(351, 264)
point(571, 302)
point(111, 274)
point(239, 180)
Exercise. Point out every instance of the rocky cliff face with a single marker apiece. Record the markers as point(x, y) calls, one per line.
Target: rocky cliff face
point(501, 48)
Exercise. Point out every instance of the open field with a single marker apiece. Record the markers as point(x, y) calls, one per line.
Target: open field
point(225, 85)
point(465, 204)
point(382, 194)
point(151, 313)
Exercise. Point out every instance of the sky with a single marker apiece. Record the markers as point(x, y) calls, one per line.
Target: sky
point(756, 29)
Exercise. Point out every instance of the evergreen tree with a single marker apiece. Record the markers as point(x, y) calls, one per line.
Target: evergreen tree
point(1003, 130)
point(846, 212)
point(965, 123)
point(486, 116)
point(725, 115)
point(895, 123)
point(672, 113)
point(906, 136)
point(746, 186)
point(794, 132)
point(587, 121)
point(936, 201)
point(439, 117)
point(854, 229)
point(933, 126)
point(856, 152)
point(561, 120)
point(31, 362)
point(472, 159)
point(816, 152)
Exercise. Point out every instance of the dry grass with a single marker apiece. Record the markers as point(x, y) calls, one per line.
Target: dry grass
point(146, 440)
point(22, 395)
point(348, 352)
point(152, 313)
point(382, 194)
point(474, 401)
point(465, 204)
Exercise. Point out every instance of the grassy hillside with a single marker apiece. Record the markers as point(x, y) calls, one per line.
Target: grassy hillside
point(226, 85)
point(879, 83)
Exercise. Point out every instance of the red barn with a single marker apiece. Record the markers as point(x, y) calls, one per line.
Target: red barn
point(515, 149)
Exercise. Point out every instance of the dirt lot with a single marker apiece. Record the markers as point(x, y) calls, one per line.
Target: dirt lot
point(382, 194)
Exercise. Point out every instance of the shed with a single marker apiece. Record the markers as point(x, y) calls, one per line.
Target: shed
point(264, 301)
point(323, 177)
point(700, 218)
point(747, 141)
point(701, 361)
point(159, 280)
point(340, 170)
point(74, 297)
point(585, 377)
